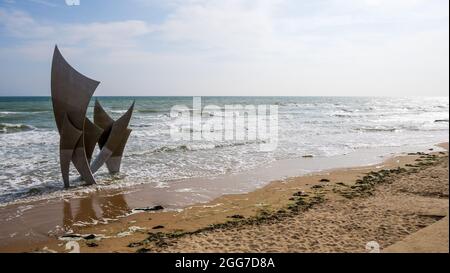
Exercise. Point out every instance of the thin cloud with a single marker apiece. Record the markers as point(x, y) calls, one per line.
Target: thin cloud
point(45, 3)
point(351, 47)
point(110, 35)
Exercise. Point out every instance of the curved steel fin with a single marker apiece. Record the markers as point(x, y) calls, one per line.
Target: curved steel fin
point(71, 93)
point(104, 121)
point(81, 163)
point(114, 162)
point(115, 138)
point(92, 134)
point(69, 139)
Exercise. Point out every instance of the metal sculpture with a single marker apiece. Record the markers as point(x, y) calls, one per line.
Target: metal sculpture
point(71, 94)
point(113, 139)
point(91, 137)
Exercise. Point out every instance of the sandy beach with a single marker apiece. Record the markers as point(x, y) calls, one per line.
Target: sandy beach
point(341, 210)
point(244, 128)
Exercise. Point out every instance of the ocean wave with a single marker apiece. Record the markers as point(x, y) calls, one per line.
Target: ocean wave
point(281, 103)
point(412, 128)
point(184, 147)
point(7, 128)
point(343, 115)
point(9, 113)
point(200, 147)
point(376, 129)
point(151, 111)
point(118, 111)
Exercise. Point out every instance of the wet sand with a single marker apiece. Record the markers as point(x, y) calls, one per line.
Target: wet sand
point(298, 214)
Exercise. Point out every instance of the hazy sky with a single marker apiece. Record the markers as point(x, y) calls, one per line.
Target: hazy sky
point(230, 47)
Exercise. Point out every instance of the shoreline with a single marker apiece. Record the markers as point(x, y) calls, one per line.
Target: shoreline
point(118, 235)
point(229, 183)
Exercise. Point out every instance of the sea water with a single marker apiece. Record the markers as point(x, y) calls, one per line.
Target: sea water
point(318, 126)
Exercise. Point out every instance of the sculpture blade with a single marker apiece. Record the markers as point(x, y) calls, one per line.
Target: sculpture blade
point(115, 138)
point(114, 162)
point(92, 134)
point(81, 163)
point(69, 139)
point(104, 121)
point(71, 93)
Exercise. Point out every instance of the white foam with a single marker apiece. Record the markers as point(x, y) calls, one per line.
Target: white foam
point(30, 168)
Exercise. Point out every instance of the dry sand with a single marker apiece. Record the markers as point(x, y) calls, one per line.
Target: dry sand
point(335, 211)
point(402, 205)
point(432, 239)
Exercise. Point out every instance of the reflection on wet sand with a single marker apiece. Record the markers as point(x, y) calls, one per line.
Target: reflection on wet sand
point(107, 207)
point(114, 206)
point(37, 222)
